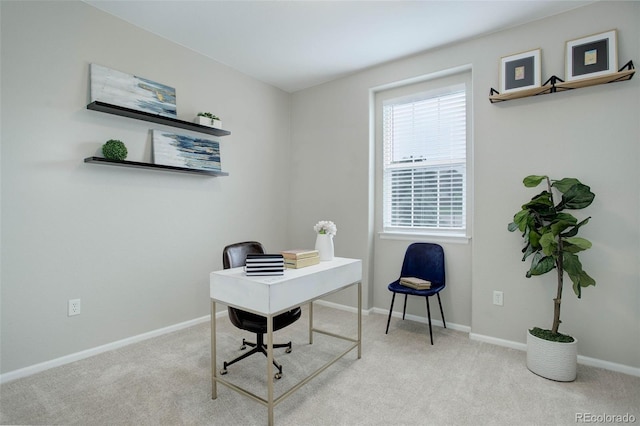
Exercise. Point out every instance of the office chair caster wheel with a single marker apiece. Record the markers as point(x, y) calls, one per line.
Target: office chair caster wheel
point(223, 371)
point(278, 376)
point(243, 347)
point(288, 350)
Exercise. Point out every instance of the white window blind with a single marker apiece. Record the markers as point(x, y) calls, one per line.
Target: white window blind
point(424, 171)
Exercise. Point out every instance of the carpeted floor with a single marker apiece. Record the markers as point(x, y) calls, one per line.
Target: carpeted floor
point(400, 380)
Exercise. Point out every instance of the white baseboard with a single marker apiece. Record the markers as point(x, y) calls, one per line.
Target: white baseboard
point(37, 368)
point(498, 342)
point(416, 318)
point(341, 307)
point(619, 368)
point(585, 360)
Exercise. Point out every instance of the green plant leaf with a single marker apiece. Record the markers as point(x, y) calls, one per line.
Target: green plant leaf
point(559, 226)
point(563, 185)
point(574, 231)
point(528, 251)
point(571, 263)
point(581, 280)
point(580, 242)
point(542, 202)
point(520, 219)
point(571, 248)
point(549, 244)
point(534, 239)
point(567, 217)
point(586, 280)
point(533, 180)
point(577, 197)
point(541, 265)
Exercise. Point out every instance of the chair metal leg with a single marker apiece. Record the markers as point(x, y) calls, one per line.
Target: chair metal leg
point(259, 346)
point(441, 311)
point(245, 344)
point(393, 299)
point(404, 310)
point(240, 358)
point(429, 317)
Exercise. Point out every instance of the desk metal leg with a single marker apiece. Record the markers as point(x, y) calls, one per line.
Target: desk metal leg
point(359, 319)
point(311, 322)
point(270, 369)
point(214, 372)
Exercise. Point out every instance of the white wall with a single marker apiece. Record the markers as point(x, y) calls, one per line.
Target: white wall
point(136, 246)
point(591, 134)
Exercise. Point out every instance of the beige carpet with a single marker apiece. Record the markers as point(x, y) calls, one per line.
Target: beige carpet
point(400, 380)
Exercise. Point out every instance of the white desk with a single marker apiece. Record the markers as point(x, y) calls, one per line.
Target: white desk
point(272, 295)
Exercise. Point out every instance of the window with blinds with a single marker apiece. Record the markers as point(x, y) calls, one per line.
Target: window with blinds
point(424, 170)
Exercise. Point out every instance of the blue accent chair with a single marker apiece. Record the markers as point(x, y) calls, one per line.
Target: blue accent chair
point(426, 261)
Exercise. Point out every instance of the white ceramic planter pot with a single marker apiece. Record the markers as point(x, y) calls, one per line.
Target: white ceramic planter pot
point(552, 360)
point(206, 121)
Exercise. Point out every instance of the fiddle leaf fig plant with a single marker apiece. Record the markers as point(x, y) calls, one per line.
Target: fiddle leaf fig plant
point(550, 234)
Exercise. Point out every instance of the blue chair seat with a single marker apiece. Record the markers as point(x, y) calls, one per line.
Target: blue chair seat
point(425, 261)
point(396, 287)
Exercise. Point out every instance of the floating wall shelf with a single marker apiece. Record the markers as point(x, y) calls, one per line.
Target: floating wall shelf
point(555, 84)
point(154, 118)
point(138, 165)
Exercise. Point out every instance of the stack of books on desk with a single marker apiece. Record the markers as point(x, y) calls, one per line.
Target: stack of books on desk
point(416, 283)
point(300, 258)
point(264, 264)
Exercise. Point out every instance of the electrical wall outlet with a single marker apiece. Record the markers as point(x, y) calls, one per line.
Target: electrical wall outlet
point(498, 298)
point(73, 307)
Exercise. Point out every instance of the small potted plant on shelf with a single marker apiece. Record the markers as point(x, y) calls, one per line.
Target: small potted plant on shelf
point(114, 149)
point(550, 236)
point(208, 119)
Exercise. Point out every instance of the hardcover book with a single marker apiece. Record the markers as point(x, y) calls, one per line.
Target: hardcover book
point(299, 253)
point(416, 283)
point(301, 263)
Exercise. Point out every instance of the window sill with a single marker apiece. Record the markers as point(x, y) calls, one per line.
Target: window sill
point(425, 237)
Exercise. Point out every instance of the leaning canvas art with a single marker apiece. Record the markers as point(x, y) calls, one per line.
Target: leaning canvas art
point(191, 152)
point(130, 91)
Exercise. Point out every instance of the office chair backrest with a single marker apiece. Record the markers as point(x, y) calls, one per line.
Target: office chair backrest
point(235, 255)
point(426, 261)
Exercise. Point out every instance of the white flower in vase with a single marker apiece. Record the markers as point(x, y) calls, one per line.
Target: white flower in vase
point(324, 241)
point(326, 227)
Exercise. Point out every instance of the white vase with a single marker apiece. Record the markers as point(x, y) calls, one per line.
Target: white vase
point(324, 245)
point(552, 360)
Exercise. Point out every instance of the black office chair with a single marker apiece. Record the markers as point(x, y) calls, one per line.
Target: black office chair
point(235, 255)
point(425, 261)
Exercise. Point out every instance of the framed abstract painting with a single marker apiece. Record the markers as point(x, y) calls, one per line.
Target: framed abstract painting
point(592, 56)
point(520, 71)
point(130, 91)
point(171, 149)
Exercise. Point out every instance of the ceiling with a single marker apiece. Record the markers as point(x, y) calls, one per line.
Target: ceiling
point(294, 45)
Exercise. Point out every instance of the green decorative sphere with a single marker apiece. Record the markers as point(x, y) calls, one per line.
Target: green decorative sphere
point(114, 149)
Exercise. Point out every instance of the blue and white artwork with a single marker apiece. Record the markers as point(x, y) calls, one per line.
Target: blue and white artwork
point(191, 152)
point(130, 91)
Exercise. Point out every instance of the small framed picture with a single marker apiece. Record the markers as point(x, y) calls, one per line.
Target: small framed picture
point(592, 56)
point(520, 71)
